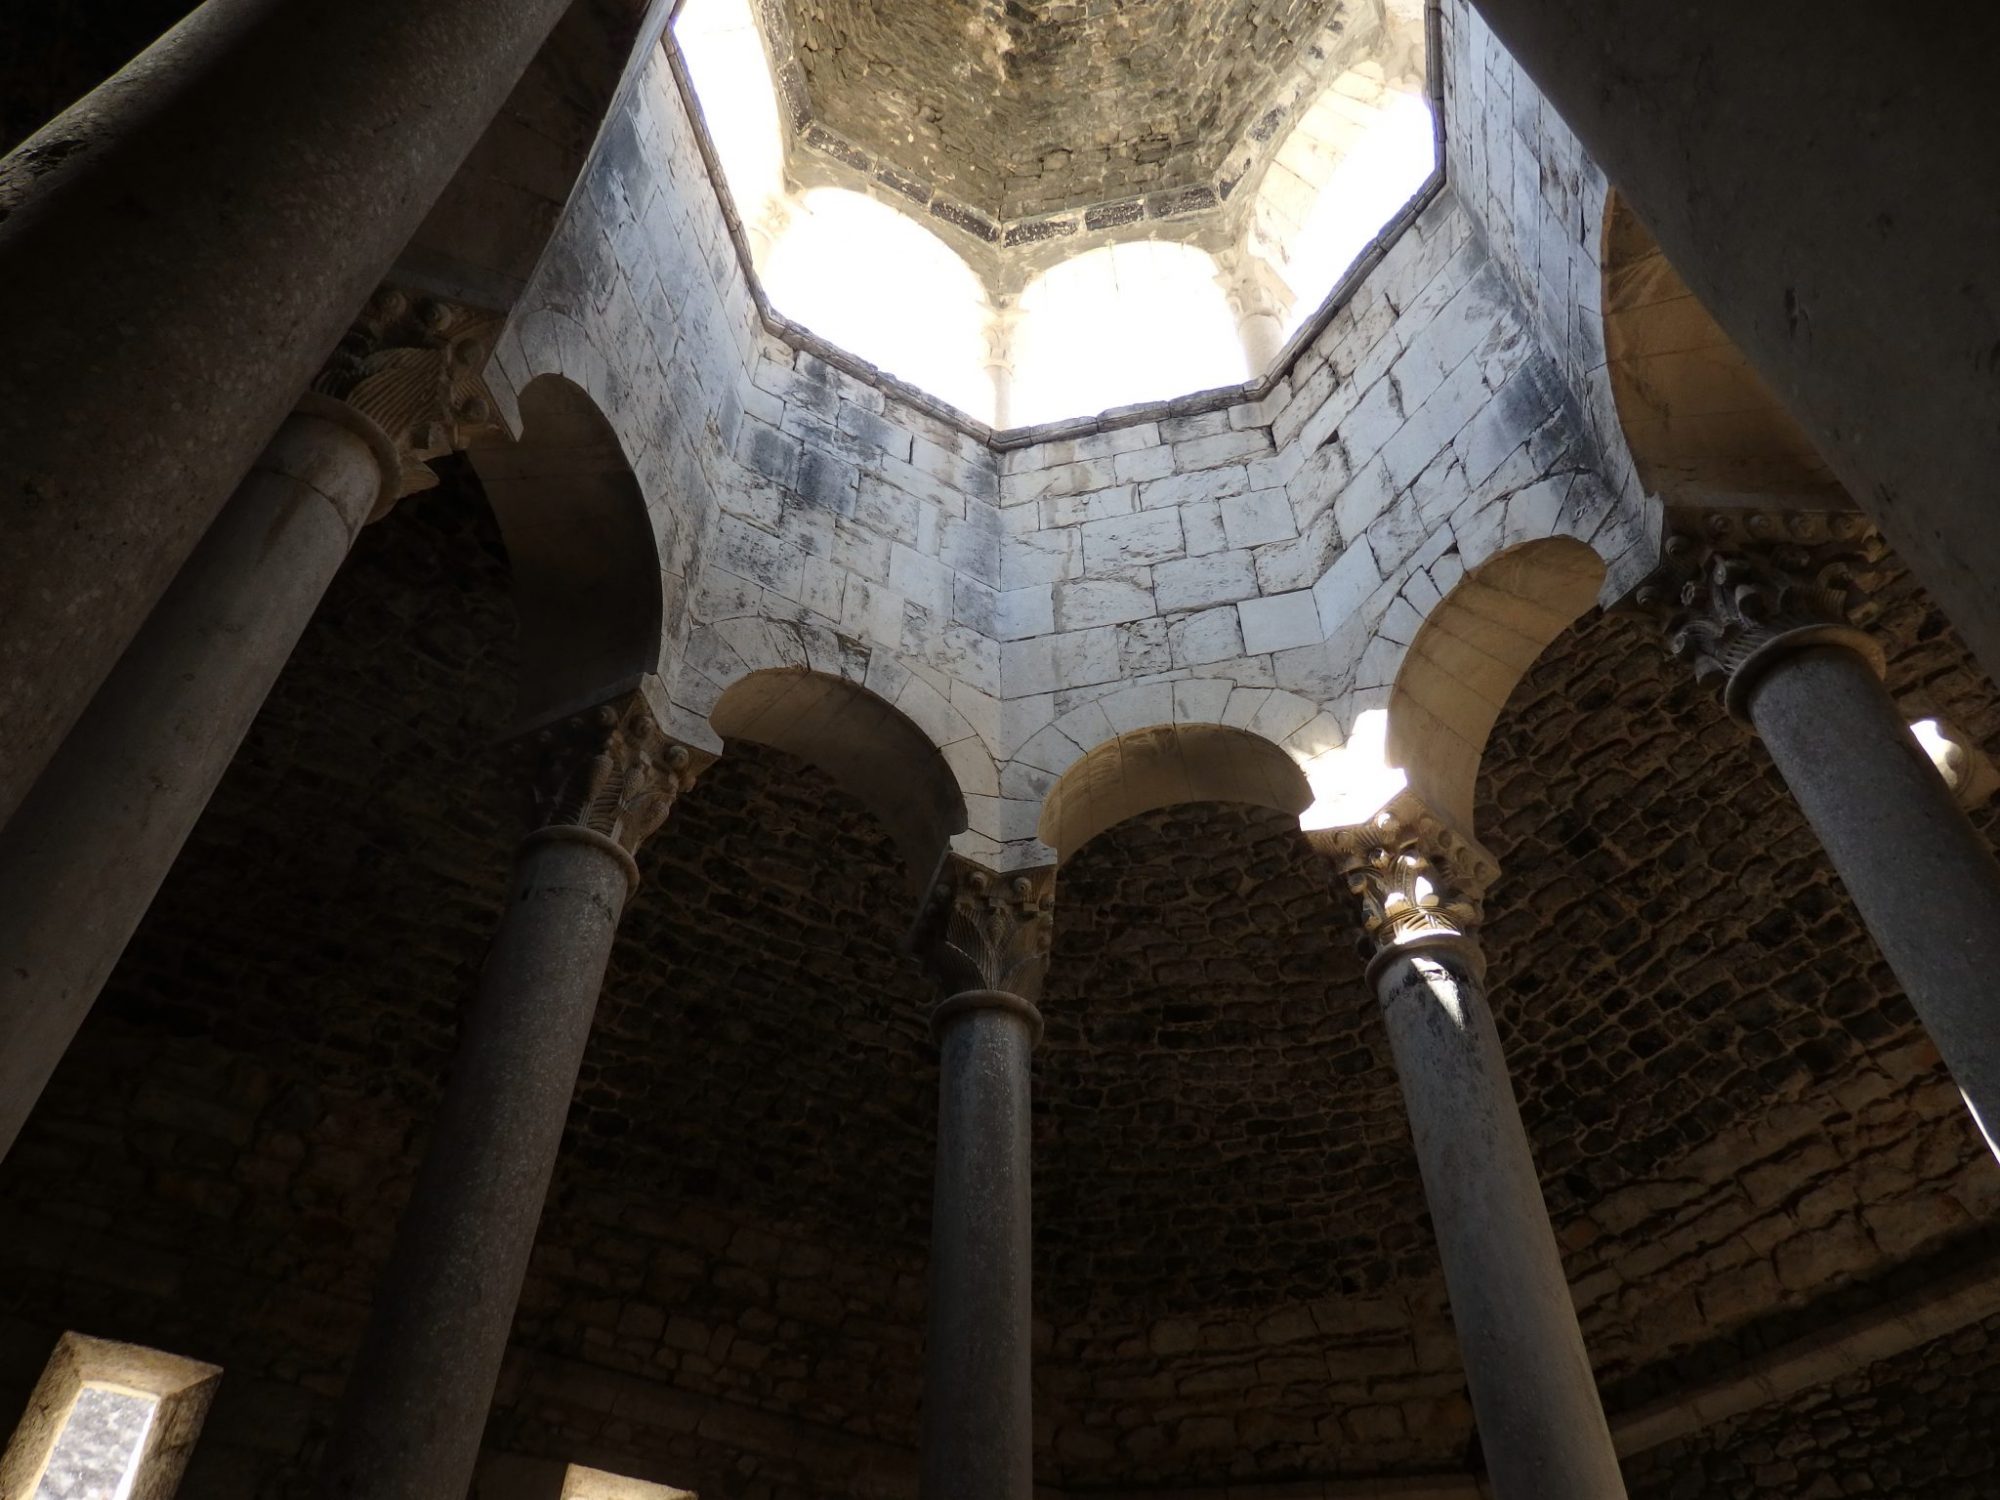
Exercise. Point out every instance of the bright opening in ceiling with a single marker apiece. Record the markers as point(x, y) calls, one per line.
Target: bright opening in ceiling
point(1037, 321)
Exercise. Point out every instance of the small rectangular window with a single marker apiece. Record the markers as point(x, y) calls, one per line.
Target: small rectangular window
point(594, 1484)
point(107, 1421)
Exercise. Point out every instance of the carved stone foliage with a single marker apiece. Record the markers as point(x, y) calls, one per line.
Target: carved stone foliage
point(984, 931)
point(412, 365)
point(1733, 584)
point(611, 770)
point(1415, 876)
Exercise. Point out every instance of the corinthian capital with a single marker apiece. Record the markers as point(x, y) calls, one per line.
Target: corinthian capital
point(1415, 876)
point(613, 772)
point(412, 366)
point(1736, 589)
point(984, 931)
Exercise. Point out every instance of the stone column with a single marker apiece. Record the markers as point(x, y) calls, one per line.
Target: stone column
point(84, 855)
point(1763, 605)
point(178, 253)
point(1541, 1427)
point(1001, 328)
point(988, 943)
point(416, 1400)
point(1863, 287)
point(1260, 303)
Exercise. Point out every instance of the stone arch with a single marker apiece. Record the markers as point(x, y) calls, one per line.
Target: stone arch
point(873, 751)
point(1356, 155)
point(1473, 647)
point(1697, 417)
point(586, 563)
point(1162, 766)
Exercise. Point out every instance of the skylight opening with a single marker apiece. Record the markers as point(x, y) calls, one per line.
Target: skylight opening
point(994, 329)
point(1352, 163)
point(1143, 321)
point(863, 276)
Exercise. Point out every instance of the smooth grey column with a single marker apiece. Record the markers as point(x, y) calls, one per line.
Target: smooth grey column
point(978, 1427)
point(83, 857)
point(1923, 879)
point(416, 1401)
point(179, 253)
point(1541, 1426)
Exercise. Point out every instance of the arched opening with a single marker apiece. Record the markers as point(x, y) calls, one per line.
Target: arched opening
point(1365, 148)
point(1698, 418)
point(873, 280)
point(1140, 321)
point(1470, 651)
point(1161, 767)
point(725, 57)
point(582, 547)
point(873, 753)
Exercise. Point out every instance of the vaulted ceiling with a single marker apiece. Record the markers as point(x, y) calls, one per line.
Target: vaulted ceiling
point(1022, 107)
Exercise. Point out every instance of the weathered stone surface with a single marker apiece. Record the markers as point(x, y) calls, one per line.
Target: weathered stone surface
point(1921, 1426)
point(1004, 107)
point(1740, 1126)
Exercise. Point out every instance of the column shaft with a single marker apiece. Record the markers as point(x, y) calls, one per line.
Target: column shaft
point(83, 856)
point(416, 1402)
point(179, 251)
point(978, 1427)
point(1541, 1427)
point(1924, 880)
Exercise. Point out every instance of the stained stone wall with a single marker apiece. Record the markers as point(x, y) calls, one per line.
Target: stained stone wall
point(1918, 1427)
point(1741, 1129)
point(1233, 1263)
point(1257, 564)
point(1538, 200)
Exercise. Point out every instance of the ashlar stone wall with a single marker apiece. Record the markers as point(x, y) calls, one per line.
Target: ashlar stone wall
point(1259, 564)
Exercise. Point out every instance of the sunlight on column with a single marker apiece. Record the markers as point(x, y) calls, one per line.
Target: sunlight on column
point(103, 1439)
point(1125, 323)
point(863, 276)
point(739, 100)
point(1445, 987)
point(1354, 781)
point(1350, 165)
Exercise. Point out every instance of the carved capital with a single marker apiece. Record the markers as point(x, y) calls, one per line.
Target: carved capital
point(990, 932)
point(1737, 589)
point(611, 772)
point(1416, 877)
point(413, 366)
